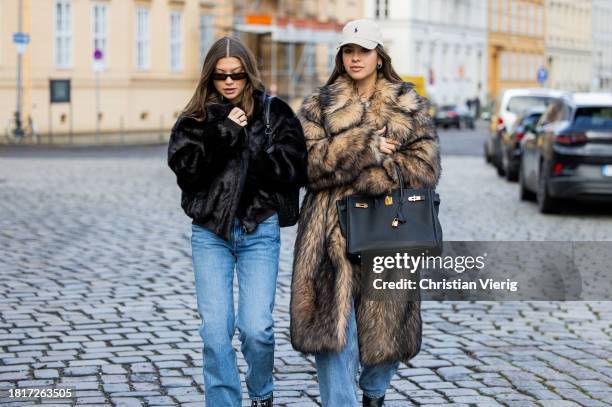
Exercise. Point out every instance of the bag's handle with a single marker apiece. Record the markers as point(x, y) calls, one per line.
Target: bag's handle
point(400, 205)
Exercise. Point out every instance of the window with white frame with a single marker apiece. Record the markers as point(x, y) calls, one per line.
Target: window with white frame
point(63, 33)
point(99, 26)
point(143, 57)
point(503, 12)
point(494, 15)
point(531, 20)
point(381, 9)
point(539, 20)
point(522, 18)
point(514, 16)
point(207, 34)
point(176, 45)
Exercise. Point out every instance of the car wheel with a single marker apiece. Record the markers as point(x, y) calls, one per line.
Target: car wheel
point(487, 154)
point(496, 157)
point(499, 164)
point(512, 174)
point(510, 170)
point(546, 203)
point(524, 193)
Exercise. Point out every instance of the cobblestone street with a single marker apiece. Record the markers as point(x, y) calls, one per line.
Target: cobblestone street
point(97, 295)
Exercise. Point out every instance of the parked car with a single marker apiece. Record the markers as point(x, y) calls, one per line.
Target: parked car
point(512, 103)
point(453, 116)
point(466, 117)
point(511, 141)
point(569, 155)
point(447, 116)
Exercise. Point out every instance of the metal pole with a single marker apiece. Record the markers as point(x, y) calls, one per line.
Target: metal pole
point(18, 127)
point(97, 106)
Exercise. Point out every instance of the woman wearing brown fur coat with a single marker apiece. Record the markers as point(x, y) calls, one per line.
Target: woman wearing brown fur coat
point(358, 126)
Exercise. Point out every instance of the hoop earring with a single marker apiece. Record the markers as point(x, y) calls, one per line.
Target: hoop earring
point(379, 66)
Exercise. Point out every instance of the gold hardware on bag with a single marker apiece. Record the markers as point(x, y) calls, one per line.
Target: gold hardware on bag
point(395, 222)
point(388, 200)
point(414, 198)
point(361, 205)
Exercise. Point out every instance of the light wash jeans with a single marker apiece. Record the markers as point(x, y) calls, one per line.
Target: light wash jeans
point(255, 257)
point(337, 373)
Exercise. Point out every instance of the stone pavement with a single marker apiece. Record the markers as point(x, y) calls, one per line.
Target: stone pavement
point(97, 296)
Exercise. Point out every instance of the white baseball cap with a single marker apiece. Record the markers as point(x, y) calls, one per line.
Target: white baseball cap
point(361, 32)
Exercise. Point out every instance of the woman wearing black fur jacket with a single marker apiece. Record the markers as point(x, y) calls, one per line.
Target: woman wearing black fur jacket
point(240, 181)
point(361, 126)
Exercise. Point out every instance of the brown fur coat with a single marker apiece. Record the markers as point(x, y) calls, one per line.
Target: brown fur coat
point(343, 159)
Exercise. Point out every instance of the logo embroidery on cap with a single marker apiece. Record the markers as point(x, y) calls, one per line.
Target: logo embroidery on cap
point(356, 29)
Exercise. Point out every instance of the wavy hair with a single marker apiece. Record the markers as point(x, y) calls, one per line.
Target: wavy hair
point(205, 93)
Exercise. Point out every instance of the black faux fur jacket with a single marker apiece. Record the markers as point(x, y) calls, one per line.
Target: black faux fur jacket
point(343, 159)
point(218, 163)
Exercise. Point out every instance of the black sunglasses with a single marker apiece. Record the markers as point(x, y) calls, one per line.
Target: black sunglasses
point(223, 76)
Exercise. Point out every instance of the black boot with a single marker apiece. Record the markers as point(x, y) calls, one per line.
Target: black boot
point(368, 402)
point(262, 403)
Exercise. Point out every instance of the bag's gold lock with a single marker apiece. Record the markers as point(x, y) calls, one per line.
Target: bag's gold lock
point(395, 222)
point(388, 200)
point(361, 205)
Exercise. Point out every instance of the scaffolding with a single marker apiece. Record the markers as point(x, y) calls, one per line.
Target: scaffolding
point(293, 47)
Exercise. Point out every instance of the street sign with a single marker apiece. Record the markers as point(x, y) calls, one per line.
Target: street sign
point(542, 75)
point(21, 40)
point(98, 64)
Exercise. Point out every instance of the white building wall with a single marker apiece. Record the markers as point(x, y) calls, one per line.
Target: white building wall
point(602, 45)
point(442, 40)
point(568, 44)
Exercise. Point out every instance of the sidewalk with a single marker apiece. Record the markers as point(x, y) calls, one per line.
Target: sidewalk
point(90, 139)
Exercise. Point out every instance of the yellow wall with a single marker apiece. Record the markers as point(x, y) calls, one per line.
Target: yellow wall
point(126, 94)
point(516, 43)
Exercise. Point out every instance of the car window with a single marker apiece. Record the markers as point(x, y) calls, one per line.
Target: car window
point(519, 104)
point(594, 117)
point(555, 112)
point(531, 120)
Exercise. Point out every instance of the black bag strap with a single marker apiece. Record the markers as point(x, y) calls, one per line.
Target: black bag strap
point(267, 101)
point(400, 205)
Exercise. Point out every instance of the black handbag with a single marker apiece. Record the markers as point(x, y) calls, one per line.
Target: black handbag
point(288, 199)
point(405, 219)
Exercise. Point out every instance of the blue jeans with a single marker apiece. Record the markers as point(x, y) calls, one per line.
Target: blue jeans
point(337, 373)
point(255, 256)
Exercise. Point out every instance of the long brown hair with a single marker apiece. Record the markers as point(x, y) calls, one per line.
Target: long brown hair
point(386, 70)
point(206, 93)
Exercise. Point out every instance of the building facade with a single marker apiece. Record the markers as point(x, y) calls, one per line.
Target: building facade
point(516, 44)
point(442, 41)
point(568, 44)
point(602, 45)
point(132, 65)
